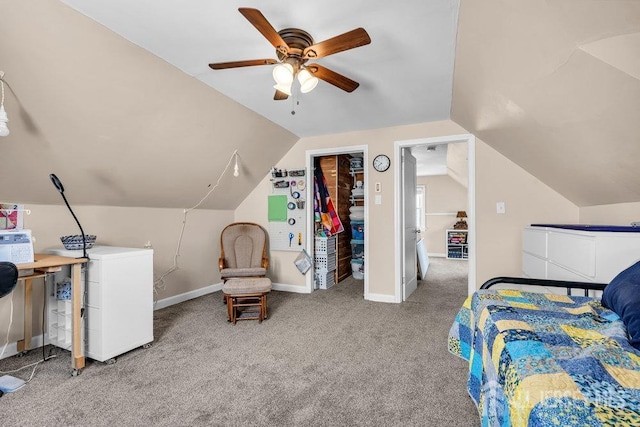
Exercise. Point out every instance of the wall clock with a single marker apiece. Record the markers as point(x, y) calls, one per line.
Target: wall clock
point(381, 163)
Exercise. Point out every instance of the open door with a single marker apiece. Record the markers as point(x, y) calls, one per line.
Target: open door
point(403, 189)
point(409, 235)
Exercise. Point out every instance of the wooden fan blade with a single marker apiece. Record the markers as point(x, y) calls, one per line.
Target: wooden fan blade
point(338, 80)
point(279, 96)
point(236, 64)
point(258, 20)
point(346, 41)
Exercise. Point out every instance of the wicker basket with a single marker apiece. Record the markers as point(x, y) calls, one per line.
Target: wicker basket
point(74, 243)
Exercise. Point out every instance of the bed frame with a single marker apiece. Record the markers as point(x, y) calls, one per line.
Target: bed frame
point(586, 286)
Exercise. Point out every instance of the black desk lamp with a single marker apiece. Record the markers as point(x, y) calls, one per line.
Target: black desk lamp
point(60, 189)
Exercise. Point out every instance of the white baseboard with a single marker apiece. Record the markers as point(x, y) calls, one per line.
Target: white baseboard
point(289, 288)
point(12, 348)
point(176, 299)
point(437, 255)
point(381, 298)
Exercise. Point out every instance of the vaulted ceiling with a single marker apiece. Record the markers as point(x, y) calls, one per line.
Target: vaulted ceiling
point(405, 73)
point(120, 92)
point(555, 87)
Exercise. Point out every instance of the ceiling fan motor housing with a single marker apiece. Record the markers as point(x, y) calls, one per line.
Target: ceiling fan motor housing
point(297, 40)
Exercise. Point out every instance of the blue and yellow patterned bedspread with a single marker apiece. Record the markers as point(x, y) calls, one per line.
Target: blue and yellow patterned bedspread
point(547, 360)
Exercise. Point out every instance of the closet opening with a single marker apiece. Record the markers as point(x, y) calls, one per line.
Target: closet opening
point(338, 219)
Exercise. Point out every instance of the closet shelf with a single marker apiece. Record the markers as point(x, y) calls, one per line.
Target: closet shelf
point(354, 171)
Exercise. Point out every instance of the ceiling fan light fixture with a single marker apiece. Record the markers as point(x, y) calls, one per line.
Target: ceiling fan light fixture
point(284, 88)
point(307, 81)
point(283, 74)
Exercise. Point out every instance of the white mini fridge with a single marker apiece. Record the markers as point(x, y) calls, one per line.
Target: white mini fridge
point(118, 302)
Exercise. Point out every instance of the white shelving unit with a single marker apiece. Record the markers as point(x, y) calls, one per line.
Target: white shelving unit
point(357, 195)
point(59, 323)
point(118, 315)
point(457, 244)
point(357, 225)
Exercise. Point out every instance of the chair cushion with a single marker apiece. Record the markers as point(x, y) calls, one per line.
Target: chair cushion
point(622, 295)
point(248, 285)
point(242, 272)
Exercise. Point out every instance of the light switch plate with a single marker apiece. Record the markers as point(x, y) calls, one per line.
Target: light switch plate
point(501, 208)
point(378, 199)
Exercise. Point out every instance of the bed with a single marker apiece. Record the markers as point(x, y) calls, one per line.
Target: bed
point(544, 359)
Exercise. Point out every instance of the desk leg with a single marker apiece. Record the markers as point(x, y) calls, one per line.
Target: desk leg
point(77, 357)
point(25, 344)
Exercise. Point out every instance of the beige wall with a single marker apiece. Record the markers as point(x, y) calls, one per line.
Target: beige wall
point(130, 227)
point(527, 200)
point(552, 100)
point(121, 115)
point(443, 195)
point(617, 214)
point(381, 217)
point(497, 179)
point(498, 236)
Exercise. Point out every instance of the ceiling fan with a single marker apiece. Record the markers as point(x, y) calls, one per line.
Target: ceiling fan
point(294, 48)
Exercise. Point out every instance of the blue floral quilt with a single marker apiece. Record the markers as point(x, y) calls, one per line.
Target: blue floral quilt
point(547, 360)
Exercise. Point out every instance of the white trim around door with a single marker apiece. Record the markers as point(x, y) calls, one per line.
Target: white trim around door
point(471, 219)
point(310, 155)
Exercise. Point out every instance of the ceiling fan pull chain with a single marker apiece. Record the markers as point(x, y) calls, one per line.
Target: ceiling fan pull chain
point(294, 102)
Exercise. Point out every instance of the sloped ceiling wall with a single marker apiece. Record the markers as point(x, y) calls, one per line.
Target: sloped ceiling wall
point(555, 87)
point(118, 125)
point(458, 163)
point(552, 85)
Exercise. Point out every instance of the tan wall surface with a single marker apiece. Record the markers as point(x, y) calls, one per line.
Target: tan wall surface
point(563, 102)
point(616, 214)
point(499, 236)
point(138, 131)
point(443, 195)
point(381, 217)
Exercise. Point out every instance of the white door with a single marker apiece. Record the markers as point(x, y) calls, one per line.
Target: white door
point(409, 251)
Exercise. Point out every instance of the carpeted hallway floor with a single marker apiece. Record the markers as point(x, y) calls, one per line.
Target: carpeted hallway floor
point(326, 359)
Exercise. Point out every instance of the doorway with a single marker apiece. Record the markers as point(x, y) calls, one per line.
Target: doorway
point(404, 276)
point(353, 208)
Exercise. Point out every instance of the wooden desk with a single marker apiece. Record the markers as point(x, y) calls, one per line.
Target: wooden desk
point(43, 264)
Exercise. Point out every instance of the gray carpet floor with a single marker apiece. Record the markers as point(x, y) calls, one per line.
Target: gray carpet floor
point(326, 359)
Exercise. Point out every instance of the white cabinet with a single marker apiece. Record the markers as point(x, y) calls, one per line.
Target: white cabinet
point(578, 255)
point(118, 303)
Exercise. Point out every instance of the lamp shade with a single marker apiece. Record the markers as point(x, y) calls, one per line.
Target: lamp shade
point(307, 81)
point(283, 74)
point(4, 129)
point(461, 214)
point(284, 88)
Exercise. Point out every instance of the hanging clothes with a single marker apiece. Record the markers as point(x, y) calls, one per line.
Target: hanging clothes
point(324, 210)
